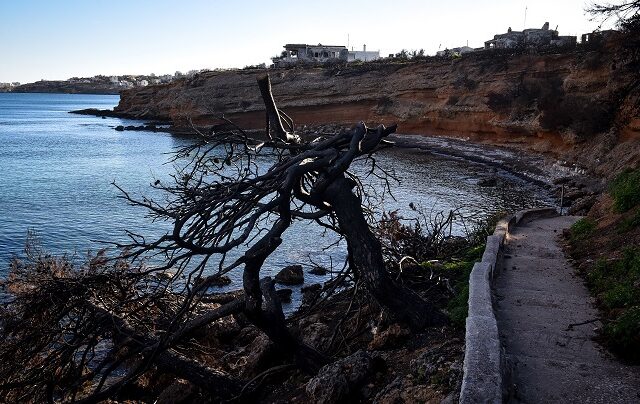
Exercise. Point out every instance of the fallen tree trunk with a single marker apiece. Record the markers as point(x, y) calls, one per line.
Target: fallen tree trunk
point(365, 257)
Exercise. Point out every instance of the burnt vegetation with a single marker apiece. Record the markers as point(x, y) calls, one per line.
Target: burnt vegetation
point(120, 326)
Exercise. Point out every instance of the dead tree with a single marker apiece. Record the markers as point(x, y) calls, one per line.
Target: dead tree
point(226, 213)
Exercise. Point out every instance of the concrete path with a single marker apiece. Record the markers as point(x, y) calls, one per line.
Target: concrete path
point(537, 297)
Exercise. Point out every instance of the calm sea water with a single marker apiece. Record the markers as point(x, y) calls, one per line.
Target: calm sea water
point(56, 171)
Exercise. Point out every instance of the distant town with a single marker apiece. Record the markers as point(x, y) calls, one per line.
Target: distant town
point(308, 54)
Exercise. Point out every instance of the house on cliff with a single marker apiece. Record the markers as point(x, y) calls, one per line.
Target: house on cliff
point(304, 53)
point(456, 51)
point(531, 37)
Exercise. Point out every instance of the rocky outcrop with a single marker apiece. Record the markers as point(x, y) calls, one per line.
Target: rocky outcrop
point(581, 105)
point(340, 380)
point(291, 275)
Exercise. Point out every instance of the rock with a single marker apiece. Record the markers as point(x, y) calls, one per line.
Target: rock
point(284, 295)
point(313, 288)
point(316, 334)
point(488, 182)
point(310, 293)
point(320, 271)
point(119, 128)
point(180, 391)
point(436, 364)
point(258, 354)
point(338, 381)
point(582, 206)
point(221, 281)
point(426, 364)
point(291, 275)
point(404, 390)
point(389, 337)
point(225, 328)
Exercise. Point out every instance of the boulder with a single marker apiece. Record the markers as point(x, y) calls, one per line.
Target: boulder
point(488, 182)
point(338, 381)
point(316, 335)
point(310, 293)
point(320, 271)
point(258, 355)
point(582, 205)
point(180, 391)
point(284, 295)
point(223, 280)
point(291, 275)
point(407, 390)
point(389, 338)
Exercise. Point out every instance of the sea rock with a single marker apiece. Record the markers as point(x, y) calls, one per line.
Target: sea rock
point(310, 293)
point(119, 128)
point(291, 275)
point(318, 270)
point(284, 295)
point(488, 182)
point(221, 281)
point(337, 381)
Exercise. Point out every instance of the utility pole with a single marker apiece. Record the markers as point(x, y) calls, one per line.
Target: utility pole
point(525, 18)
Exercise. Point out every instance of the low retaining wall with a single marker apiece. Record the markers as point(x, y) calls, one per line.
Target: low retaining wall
point(483, 371)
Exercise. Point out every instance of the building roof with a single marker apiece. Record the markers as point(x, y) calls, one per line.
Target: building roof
point(303, 45)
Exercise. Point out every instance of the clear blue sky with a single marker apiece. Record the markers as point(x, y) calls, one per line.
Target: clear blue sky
point(58, 39)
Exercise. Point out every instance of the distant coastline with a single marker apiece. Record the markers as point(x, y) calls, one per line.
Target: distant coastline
point(100, 85)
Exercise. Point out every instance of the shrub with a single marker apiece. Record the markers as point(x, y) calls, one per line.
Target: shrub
point(584, 116)
point(458, 306)
point(629, 223)
point(625, 190)
point(582, 229)
point(623, 334)
point(616, 283)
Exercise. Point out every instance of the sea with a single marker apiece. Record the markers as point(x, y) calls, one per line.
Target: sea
point(57, 172)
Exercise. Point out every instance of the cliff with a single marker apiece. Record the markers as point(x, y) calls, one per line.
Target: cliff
point(580, 105)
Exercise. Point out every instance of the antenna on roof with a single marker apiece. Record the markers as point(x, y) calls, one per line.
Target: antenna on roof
point(347, 41)
point(525, 17)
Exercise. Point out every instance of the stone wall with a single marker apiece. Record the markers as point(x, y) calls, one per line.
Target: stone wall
point(483, 360)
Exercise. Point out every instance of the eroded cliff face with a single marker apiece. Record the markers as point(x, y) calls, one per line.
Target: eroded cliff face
point(580, 106)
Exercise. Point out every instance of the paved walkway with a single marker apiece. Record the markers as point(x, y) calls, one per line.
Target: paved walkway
point(538, 296)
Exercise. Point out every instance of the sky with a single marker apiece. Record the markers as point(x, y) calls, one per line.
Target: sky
point(59, 39)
